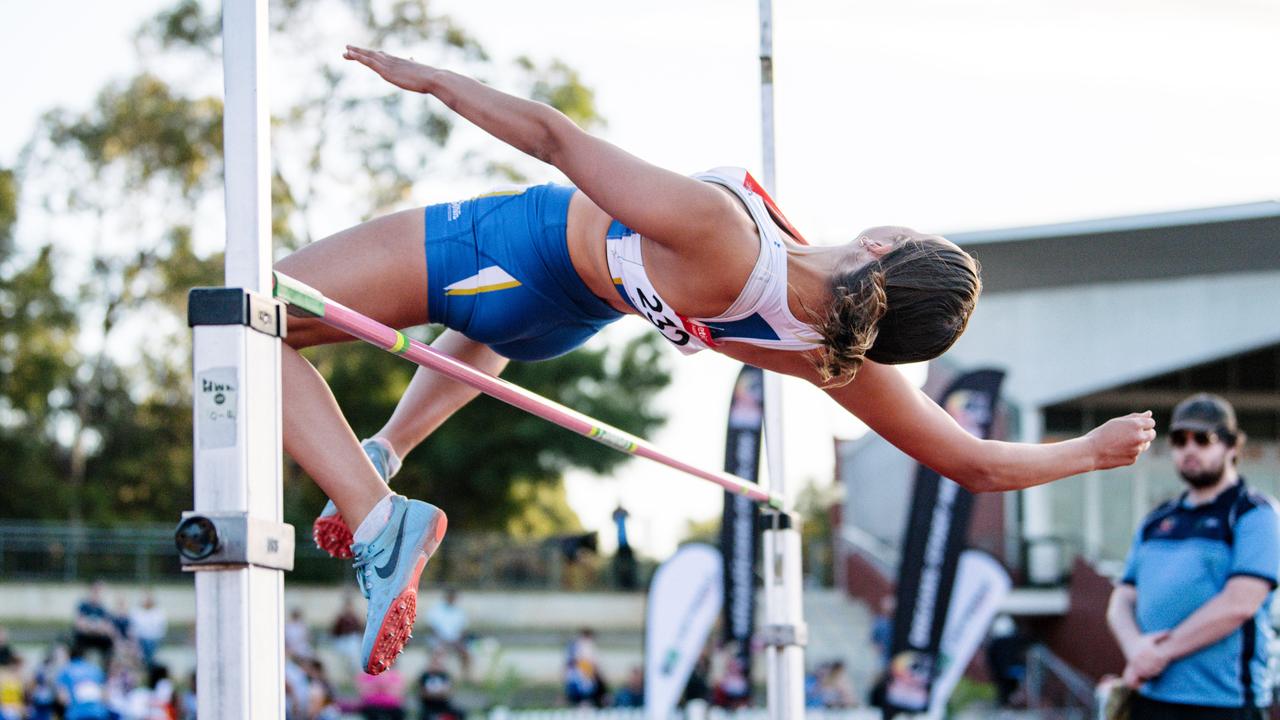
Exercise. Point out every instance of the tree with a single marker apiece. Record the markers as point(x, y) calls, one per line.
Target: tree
point(95, 393)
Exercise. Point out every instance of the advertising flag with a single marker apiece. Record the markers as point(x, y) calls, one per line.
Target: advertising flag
point(684, 601)
point(936, 531)
point(981, 585)
point(739, 525)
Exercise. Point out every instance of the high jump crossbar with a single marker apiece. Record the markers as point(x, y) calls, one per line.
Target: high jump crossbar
point(312, 302)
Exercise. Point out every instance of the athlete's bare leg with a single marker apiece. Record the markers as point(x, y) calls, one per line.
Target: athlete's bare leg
point(378, 269)
point(431, 397)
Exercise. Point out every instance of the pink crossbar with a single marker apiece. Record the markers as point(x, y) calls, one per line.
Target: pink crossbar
point(375, 333)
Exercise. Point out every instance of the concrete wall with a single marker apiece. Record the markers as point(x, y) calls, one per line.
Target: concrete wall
point(1061, 343)
point(53, 603)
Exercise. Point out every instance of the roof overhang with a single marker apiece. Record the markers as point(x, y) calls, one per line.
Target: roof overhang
point(1206, 241)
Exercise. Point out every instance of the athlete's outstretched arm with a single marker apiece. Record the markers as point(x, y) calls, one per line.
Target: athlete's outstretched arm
point(665, 206)
point(902, 414)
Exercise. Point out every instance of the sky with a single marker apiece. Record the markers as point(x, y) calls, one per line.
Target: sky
point(942, 115)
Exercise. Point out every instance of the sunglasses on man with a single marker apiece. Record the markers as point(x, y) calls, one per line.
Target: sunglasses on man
point(1179, 438)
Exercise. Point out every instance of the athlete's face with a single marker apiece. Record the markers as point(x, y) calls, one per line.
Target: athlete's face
point(1201, 458)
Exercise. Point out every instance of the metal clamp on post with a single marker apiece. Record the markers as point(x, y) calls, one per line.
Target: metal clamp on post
point(780, 636)
point(777, 520)
point(236, 306)
point(222, 541)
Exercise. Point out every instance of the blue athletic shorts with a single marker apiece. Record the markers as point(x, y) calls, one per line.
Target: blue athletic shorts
point(498, 271)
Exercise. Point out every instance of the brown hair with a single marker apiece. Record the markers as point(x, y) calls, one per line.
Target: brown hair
point(908, 306)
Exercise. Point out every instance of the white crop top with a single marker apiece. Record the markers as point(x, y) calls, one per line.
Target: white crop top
point(760, 316)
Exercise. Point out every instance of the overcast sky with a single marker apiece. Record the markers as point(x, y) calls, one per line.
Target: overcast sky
point(945, 116)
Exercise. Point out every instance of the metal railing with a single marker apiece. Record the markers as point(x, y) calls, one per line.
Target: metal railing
point(145, 553)
point(1055, 687)
point(44, 551)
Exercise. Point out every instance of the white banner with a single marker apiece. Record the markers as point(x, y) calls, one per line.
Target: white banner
point(981, 585)
point(684, 601)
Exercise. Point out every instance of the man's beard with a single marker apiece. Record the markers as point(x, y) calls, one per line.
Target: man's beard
point(1207, 477)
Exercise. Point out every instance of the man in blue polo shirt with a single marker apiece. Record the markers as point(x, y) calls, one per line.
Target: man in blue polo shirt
point(1192, 613)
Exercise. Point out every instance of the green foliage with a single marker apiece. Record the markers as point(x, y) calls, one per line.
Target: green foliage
point(970, 693)
point(37, 362)
point(146, 130)
point(94, 354)
point(183, 25)
point(706, 530)
point(493, 466)
point(8, 211)
point(814, 505)
point(560, 86)
point(37, 330)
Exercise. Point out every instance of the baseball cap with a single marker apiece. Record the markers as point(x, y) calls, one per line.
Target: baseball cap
point(1206, 412)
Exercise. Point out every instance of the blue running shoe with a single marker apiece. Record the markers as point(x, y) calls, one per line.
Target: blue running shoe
point(330, 531)
point(387, 571)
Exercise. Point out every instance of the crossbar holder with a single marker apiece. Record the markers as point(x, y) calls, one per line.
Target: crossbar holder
point(232, 540)
point(236, 306)
point(780, 636)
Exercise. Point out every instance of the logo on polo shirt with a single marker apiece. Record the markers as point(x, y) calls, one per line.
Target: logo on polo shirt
point(1167, 525)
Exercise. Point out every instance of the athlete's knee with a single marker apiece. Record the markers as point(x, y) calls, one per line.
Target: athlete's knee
point(305, 332)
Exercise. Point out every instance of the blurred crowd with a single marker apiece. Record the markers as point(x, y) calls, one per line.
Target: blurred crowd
point(719, 679)
point(106, 668)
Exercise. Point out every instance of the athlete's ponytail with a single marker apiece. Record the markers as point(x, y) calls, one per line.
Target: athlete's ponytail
point(908, 306)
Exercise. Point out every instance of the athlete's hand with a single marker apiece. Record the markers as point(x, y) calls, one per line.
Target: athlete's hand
point(398, 71)
point(1121, 440)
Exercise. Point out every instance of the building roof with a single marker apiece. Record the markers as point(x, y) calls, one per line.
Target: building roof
point(1204, 241)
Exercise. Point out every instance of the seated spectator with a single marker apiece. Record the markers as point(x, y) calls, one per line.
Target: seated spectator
point(583, 683)
point(834, 689)
point(13, 704)
point(297, 687)
point(81, 688)
point(631, 695)
point(347, 631)
point(381, 696)
point(186, 704)
point(42, 691)
point(93, 628)
point(163, 705)
point(323, 702)
point(699, 685)
point(435, 691)
point(126, 697)
point(6, 650)
point(126, 644)
point(882, 628)
point(148, 624)
point(448, 623)
point(1007, 658)
point(733, 689)
point(297, 637)
point(813, 686)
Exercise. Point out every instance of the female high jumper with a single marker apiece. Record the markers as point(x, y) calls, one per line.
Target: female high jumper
point(530, 274)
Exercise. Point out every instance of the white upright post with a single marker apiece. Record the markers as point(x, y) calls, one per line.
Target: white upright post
point(784, 609)
point(240, 608)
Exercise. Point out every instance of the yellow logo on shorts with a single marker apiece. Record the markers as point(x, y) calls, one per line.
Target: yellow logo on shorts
point(488, 279)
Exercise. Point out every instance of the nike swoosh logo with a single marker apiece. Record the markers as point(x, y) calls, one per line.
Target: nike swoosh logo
point(385, 571)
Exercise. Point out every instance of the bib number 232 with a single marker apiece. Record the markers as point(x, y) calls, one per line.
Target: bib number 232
point(668, 326)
